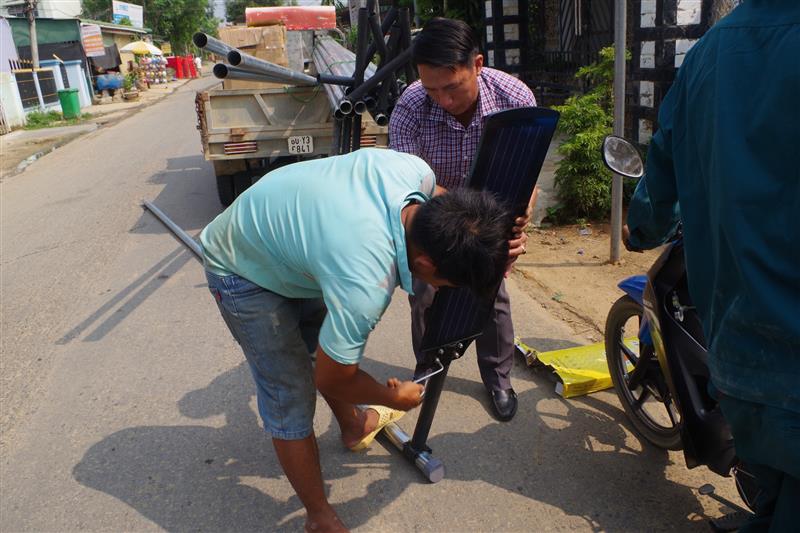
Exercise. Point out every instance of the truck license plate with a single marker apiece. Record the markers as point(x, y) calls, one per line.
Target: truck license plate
point(301, 144)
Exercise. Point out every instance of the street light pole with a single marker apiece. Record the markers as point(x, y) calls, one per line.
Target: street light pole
point(620, 28)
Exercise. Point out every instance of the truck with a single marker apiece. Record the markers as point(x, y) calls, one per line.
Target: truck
point(246, 133)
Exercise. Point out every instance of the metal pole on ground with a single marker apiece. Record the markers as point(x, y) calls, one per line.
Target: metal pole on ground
point(620, 28)
point(176, 230)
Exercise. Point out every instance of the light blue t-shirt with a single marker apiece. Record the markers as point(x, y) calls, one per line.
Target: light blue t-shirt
point(327, 228)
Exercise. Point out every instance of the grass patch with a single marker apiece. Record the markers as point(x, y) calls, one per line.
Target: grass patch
point(51, 119)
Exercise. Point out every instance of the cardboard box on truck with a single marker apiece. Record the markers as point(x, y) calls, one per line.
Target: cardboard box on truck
point(266, 42)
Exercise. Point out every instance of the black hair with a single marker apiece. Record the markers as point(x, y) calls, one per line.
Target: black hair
point(465, 233)
point(445, 43)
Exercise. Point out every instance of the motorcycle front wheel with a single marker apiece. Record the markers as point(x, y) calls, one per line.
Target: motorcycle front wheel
point(637, 377)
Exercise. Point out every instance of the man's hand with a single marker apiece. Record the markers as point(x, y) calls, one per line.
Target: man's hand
point(626, 235)
point(350, 384)
point(516, 246)
point(408, 393)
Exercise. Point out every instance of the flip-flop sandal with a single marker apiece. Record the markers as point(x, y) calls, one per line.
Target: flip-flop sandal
point(385, 416)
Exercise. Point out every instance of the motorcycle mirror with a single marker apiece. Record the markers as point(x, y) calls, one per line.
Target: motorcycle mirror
point(622, 157)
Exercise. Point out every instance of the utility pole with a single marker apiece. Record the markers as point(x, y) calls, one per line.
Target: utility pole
point(30, 12)
point(620, 30)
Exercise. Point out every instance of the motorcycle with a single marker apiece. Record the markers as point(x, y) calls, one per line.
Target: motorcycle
point(656, 354)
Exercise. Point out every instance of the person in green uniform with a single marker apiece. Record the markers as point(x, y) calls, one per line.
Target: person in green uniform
point(724, 161)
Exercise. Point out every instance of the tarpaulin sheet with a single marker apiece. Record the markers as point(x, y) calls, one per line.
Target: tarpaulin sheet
point(48, 31)
point(109, 60)
point(293, 17)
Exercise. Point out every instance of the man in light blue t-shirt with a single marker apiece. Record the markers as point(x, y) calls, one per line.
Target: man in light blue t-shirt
point(306, 261)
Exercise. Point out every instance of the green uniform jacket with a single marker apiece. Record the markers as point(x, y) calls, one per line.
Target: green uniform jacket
point(728, 152)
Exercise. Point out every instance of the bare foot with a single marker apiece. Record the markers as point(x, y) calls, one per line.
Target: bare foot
point(326, 524)
point(363, 424)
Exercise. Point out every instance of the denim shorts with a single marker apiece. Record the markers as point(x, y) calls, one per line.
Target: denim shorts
point(278, 336)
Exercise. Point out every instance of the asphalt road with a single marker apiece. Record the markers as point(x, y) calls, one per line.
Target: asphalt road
point(126, 405)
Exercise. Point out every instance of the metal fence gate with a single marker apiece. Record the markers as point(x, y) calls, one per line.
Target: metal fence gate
point(23, 73)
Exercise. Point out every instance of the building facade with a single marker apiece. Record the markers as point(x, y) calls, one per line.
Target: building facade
point(53, 9)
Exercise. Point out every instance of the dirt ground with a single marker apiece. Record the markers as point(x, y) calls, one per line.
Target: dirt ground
point(11, 156)
point(567, 269)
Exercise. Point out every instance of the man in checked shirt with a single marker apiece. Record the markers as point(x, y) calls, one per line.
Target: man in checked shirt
point(440, 119)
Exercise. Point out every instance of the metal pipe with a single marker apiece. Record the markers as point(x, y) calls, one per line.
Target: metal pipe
point(380, 119)
point(325, 68)
point(206, 42)
point(360, 107)
point(337, 133)
point(405, 42)
point(385, 71)
point(361, 46)
point(177, 231)
point(431, 468)
point(356, 142)
point(346, 107)
point(389, 84)
point(433, 390)
point(223, 72)
point(347, 124)
point(333, 98)
point(391, 16)
point(333, 59)
point(247, 62)
point(340, 60)
point(377, 38)
point(335, 80)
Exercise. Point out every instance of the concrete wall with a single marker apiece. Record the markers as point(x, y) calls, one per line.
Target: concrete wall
point(125, 57)
point(9, 94)
point(8, 50)
point(10, 100)
point(59, 9)
point(664, 31)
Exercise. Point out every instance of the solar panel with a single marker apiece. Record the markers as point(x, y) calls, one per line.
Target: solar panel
point(511, 152)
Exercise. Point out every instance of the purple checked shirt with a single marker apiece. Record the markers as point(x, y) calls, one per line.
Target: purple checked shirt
point(422, 127)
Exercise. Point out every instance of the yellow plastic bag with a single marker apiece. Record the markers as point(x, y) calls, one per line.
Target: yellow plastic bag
point(580, 370)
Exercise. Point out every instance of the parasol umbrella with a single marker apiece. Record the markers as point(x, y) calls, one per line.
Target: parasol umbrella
point(141, 48)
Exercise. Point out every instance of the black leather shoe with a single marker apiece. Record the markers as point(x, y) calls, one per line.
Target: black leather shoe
point(504, 403)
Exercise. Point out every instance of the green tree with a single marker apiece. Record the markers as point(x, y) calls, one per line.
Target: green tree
point(470, 11)
point(174, 20)
point(234, 10)
point(582, 180)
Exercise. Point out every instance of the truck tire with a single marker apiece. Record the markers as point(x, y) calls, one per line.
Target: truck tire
point(225, 190)
point(242, 181)
point(231, 186)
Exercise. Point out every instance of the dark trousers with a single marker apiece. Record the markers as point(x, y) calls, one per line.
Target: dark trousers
point(495, 347)
point(767, 439)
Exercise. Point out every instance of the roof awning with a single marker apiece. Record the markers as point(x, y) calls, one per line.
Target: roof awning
point(117, 28)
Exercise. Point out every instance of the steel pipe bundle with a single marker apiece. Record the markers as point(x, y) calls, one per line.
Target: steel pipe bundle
point(337, 64)
point(215, 46)
point(354, 85)
point(270, 70)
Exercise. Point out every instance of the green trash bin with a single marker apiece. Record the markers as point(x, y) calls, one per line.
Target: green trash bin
point(70, 104)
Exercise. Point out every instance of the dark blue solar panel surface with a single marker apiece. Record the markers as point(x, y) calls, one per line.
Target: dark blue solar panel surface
point(510, 155)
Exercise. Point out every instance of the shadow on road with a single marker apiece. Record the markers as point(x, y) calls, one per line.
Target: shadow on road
point(213, 478)
point(186, 201)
